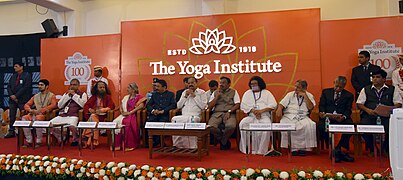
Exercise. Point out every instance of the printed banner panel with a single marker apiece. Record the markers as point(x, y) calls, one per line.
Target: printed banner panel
point(67, 58)
point(280, 46)
point(341, 40)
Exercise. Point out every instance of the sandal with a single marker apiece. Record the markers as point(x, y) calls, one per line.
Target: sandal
point(129, 149)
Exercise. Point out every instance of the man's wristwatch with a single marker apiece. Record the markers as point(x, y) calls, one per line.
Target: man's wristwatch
point(229, 111)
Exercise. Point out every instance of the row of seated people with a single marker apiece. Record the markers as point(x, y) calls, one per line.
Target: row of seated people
point(257, 104)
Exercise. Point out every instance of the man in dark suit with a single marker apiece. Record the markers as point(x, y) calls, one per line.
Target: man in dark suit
point(335, 104)
point(20, 91)
point(161, 102)
point(361, 75)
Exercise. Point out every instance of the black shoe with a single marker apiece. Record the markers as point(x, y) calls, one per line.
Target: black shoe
point(294, 153)
point(27, 145)
point(10, 134)
point(346, 157)
point(226, 146)
point(336, 155)
point(104, 134)
point(74, 144)
point(301, 153)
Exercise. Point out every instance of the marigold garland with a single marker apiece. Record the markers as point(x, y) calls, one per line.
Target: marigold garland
point(60, 168)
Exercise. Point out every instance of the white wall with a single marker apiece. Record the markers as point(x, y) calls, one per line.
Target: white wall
point(94, 17)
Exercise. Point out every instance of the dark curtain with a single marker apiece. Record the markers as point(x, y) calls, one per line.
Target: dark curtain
point(19, 48)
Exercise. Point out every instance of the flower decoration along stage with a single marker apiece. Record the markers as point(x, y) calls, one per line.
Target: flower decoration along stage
point(61, 168)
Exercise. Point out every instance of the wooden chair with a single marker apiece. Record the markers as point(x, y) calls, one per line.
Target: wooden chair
point(239, 116)
point(355, 116)
point(48, 117)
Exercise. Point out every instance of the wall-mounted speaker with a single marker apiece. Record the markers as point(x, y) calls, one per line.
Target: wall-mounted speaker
point(50, 28)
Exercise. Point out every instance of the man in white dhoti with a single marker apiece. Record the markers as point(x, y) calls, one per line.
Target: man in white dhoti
point(70, 103)
point(297, 106)
point(258, 103)
point(192, 102)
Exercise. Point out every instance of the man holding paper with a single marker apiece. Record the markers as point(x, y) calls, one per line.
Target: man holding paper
point(258, 103)
point(192, 102)
point(376, 102)
point(38, 107)
point(297, 106)
point(335, 103)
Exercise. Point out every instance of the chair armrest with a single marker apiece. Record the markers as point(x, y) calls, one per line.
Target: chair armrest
point(173, 113)
point(239, 115)
point(81, 115)
point(207, 115)
point(110, 115)
point(315, 115)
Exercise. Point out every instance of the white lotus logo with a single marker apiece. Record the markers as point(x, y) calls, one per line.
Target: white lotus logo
point(212, 41)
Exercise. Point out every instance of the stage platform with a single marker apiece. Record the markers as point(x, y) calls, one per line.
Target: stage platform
point(229, 159)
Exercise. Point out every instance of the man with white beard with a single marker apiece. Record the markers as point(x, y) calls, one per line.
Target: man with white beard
point(192, 102)
point(258, 103)
point(297, 105)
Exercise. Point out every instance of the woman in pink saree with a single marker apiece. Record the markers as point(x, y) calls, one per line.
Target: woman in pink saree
point(131, 103)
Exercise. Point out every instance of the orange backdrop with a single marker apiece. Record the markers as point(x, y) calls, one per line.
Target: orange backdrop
point(288, 37)
point(341, 39)
point(306, 47)
point(102, 50)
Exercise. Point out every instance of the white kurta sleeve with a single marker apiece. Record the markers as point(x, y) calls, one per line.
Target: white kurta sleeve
point(286, 100)
point(247, 102)
point(310, 96)
point(182, 100)
point(237, 99)
point(362, 97)
point(396, 80)
point(201, 99)
point(80, 101)
point(397, 99)
point(62, 102)
point(272, 103)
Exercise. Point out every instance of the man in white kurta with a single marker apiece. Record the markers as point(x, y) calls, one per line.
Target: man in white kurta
point(93, 81)
point(69, 105)
point(397, 76)
point(192, 102)
point(258, 103)
point(297, 105)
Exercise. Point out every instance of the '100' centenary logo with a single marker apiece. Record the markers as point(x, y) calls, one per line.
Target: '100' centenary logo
point(78, 67)
point(217, 42)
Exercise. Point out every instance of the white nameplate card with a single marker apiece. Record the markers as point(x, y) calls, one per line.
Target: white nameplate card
point(107, 125)
point(87, 124)
point(154, 125)
point(370, 129)
point(341, 128)
point(22, 123)
point(174, 125)
point(283, 127)
point(41, 124)
point(259, 126)
point(195, 126)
